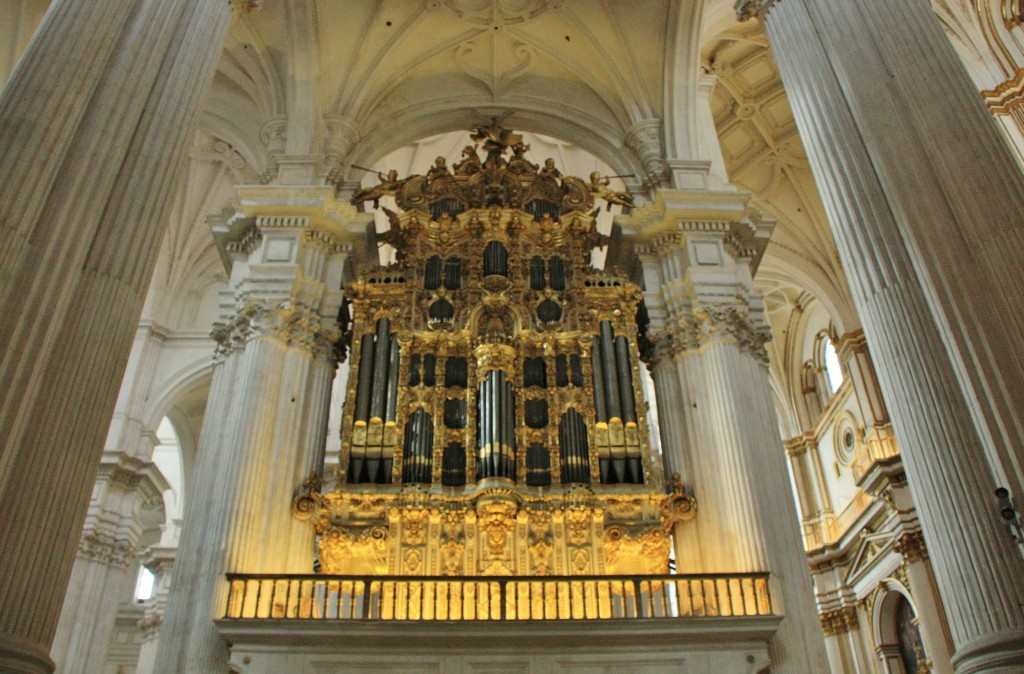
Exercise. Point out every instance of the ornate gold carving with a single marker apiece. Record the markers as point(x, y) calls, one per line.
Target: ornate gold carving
point(645, 552)
point(678, 506)
point(353, 552)
point(911, 546)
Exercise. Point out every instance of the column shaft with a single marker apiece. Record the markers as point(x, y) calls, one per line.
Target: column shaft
point(907, 316)
point(84, 203)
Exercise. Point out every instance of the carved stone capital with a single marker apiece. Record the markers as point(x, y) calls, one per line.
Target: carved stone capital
point(298, 326)
point(97, 546)
point(752, 9)
point(150, 626)
point(342, 136)
point(839, 621)
point(701, 326)
point(644, 139)
point(245, 7)
point(911, 546)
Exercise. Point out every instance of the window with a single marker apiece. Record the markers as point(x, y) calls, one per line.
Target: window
point(144, 585)
point(833, 368)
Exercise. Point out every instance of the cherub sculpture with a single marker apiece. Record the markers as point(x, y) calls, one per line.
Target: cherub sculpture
point(389, 186)
point(599, 187)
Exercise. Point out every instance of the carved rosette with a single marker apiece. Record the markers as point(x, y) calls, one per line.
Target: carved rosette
point(297, 326)
point(644, 139)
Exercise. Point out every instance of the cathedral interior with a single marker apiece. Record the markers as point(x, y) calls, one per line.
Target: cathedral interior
point(511, 336)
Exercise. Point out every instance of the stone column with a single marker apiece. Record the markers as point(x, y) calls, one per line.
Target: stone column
point(106, 555)
point(265, 429)
point(698, 250)
point(843, 641)
point(924, 200)
point(92, 155)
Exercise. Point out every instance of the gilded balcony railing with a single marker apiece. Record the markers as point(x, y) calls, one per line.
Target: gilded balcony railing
point(424, 598)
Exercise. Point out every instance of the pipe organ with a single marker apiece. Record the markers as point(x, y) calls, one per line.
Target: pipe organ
point(494, 419)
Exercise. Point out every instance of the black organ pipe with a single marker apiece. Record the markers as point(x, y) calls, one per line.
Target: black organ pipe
point(392, 406)
point(365, 378)
point(611, 382)
point(495, 379)
point(561, 371)
point(537, 281)
point(557, 277)
point(378, 391)
point(432, 274)
point(414, 370)
point(495, 259)
point(453, 273)
point(600, 408)
point(429, 370)
point(625, 371)
point(455, 372)
point(576, 368)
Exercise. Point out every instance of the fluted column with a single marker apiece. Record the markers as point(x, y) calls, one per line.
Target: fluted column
point(106, 555)
point(708, 325)
point(265, 429)
point(92, 155)
point(925, 202)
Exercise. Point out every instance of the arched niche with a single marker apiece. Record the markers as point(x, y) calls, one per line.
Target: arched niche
point(898, 642)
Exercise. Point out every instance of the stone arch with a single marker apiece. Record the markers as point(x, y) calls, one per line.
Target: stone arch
point(890, 645)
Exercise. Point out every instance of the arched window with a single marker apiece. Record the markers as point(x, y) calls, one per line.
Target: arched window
point(833, 368)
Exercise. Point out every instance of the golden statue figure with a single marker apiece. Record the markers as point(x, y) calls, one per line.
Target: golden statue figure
point(388, 186)
point(599, 187)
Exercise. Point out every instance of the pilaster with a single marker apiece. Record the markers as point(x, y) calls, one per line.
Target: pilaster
point(699, 251)
point(265, 432)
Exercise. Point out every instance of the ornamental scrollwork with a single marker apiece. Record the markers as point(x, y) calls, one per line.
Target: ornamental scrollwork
point(678, 506)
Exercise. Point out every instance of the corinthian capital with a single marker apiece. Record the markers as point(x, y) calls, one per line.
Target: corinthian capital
point(245, 6)
point(752, 9)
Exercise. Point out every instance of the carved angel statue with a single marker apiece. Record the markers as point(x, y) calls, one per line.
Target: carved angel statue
point(549, 170)
point(389, 186)
point(470, 163)
point(599, 187)
point(439, 171)
point(520, 164)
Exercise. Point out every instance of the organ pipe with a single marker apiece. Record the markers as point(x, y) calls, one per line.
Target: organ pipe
point(600, 408)
point(380, 370)
point(611, 382)
point(392, 405)
point(625, 372)
point(365, 378)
